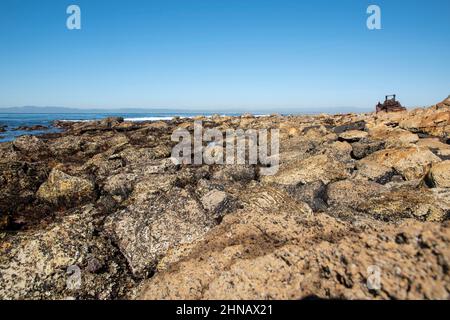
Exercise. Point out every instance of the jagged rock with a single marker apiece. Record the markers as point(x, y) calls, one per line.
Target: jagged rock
point(373, 171)
point(286, 254)
point(353, 135)
point(215, 201)
point(242, 173)
point(120, 185)
point(65, 190)
point(363, 148)
point(340, 151)
point(349, 198)
point(411, 162)
point(32, 146)
point(332, 209)
point(440, 174)
point(31, 128)
point(316, 168)
point(65, 146)
point(144, 232)
point(392, 137)
point(359, 125)
point(431, 121)
point(442, 150)
point(349, 193)
point(36, 265)
point(312, 193)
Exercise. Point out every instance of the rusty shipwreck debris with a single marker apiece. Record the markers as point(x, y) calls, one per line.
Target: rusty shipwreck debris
point(390, 105)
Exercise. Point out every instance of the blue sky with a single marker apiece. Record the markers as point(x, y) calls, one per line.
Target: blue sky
point(223, 54)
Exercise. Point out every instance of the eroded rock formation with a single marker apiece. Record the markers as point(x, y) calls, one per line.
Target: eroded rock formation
point(352, 192)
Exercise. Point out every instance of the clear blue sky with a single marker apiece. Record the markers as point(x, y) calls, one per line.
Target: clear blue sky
point(219, 54)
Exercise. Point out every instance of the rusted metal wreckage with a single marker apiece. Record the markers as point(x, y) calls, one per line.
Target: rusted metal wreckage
point(390, 105)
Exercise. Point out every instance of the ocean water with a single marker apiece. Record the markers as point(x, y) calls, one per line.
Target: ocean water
point(15, 120)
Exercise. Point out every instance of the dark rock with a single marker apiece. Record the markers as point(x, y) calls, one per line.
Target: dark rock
point(359, 125)
point(363, 148)
point(31, 128)
point(312, 193)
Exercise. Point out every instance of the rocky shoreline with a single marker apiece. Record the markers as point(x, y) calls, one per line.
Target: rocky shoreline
point(352, 192)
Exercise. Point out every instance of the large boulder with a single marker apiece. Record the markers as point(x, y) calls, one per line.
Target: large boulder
point(411, 162)
point(442, 150)
point(432, 121)
point(65, 190)
point(31, 148)
point(145, 231)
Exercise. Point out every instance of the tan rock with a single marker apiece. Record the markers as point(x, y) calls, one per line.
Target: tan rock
point(63, 189)
point(435, 122)
point(317, 168)
point(278, 255)
point(440, 174)
point(410, 162)
point(440, 149)
point(353, 135)
point(393, 137)
point(372, 171)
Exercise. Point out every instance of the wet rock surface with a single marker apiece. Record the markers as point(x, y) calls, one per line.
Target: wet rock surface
point(100, 211)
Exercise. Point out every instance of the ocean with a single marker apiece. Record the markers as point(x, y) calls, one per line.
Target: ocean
point(11, 121)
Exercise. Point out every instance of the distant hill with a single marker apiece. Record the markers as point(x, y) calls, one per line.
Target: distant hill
point(34, 110)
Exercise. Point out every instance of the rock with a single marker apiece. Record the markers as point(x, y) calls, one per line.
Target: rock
point(19, 182)
point(440, 174)
point(31, 128)
point(312, 193)
point(147, 188)
point(36, 264)
point(432, 121)
point(392, 137)
point(120, 185)
point(411, 162)
point(137, 225)
point(316, 168)
point(65, 146)
point(239, 173)
point(349, 198)
point(146, 231)
point(359, 125)
point(64, 190)
point(440, 149)
point(215, 201)
point(30, 145)
point(353, 135)
point(111, 121)
point(340, 151)
point(373, 171)
point(363, 148)
point(349, 193)
point(279, 255)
